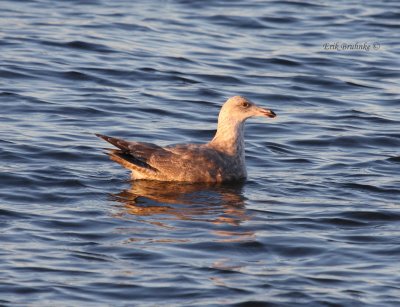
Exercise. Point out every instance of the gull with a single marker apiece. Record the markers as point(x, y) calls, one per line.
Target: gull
point(220, 160)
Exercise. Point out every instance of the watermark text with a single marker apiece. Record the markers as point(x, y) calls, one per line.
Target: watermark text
point(351, 46)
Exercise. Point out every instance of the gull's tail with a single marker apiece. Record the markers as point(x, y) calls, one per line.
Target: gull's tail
point(125, 157)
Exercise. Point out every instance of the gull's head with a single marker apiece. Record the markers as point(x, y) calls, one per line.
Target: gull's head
point(240, 108)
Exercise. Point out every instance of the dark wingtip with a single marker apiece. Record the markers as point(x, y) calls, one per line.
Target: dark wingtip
point(102, 136)
point(121, 144)
point(106, 138)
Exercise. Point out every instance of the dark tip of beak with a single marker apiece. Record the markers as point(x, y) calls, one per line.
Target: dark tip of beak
point(268, 113)
point(272, 114)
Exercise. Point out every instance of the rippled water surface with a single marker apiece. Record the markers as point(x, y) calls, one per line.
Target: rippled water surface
point(317, 223)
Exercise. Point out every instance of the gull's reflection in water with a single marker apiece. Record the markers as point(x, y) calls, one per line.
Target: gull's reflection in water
point(218, 204)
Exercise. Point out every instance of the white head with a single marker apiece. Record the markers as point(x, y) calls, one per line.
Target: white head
point(238, 109)
point(233, 114)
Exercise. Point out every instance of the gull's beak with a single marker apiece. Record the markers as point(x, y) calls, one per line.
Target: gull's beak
point(265, 112)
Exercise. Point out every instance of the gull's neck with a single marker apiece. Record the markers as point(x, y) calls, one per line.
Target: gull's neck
point(229, 137)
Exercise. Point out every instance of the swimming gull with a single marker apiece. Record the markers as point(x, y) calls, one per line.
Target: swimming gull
point(222, 159)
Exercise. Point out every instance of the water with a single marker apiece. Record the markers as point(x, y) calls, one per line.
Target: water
point(317, 222)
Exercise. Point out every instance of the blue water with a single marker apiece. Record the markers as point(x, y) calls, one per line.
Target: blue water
point(317, 223)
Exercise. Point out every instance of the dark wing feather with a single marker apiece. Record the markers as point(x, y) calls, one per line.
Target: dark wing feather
point(139, 153)
point(121, 144)
point(145, 151)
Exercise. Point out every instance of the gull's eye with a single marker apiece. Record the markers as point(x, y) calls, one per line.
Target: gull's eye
point(245, 104)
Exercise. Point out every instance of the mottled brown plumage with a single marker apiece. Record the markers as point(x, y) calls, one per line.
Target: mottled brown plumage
point(220, 160)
